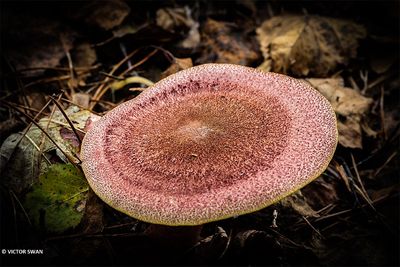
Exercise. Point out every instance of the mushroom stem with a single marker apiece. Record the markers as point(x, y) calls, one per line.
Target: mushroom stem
point(174, 236)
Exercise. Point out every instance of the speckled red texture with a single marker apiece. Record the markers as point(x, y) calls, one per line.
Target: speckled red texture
point(208, 143)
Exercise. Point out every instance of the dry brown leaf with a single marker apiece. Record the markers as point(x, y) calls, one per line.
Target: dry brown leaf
point(81, 100)
point(91, 223)
point(193, 37)
point(367, 130)
point(178, 65)
point(377, 195)
point(350, 134)
point(211, 247)
point(348, 103)
point(345, 101)
point(382, 57)
point(48, 42)
point(223, 45)
point(35, 100)
point(180, 19)
point(173, 19)
point(83, 55)
point(298, 203)
point(305, 45)
point(391, 121)
point(256, 246)
point(320, 193)
point(105, 14)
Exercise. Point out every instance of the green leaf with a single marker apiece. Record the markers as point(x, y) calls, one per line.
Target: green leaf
point(58, 199)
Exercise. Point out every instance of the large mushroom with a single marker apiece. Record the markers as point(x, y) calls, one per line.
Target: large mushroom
point(208, 143)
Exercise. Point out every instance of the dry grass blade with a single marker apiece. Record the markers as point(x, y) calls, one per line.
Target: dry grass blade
point(99, 235)
point(327, 209)
point(73, 80)
point(382, 113)
point(38, 149)
point(312, 227)
point(386, 163)
point(140, 62)
point(120, 225)
point(29, 108)
point(56, 79)
point(21, 206)
point(381, 79)
point(59, 68)
point(62, 124)
point(343, 176)
point(362, 189)
point(79, 106)
point(14, 215)
point(227, 245)
point(364, 78)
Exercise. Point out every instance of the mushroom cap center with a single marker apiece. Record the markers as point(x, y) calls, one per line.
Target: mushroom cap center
point(195, 130)
point(194, 143)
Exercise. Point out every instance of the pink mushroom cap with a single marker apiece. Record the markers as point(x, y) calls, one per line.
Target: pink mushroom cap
point(208, 143)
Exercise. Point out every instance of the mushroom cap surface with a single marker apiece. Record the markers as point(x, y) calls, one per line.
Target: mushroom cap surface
point(208, 143)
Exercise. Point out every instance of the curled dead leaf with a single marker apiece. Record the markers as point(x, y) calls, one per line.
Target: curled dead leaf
point(223, 44)
point(178, 65)
point(180, 20)
point(299, 204)
point(349, 104)
point(106, 15)
point(173, 19)
point(48, 41)
point(321, 193)
point(305, 45)
point(211, 247)
point(255, 246)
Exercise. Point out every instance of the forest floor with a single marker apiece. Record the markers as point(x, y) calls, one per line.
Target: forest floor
point(65, 63)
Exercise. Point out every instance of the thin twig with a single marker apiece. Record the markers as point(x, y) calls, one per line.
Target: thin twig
point(45, 133)
point(53, 79)
point(382, 113)
point(59, 68)
point(226, 245)
point(79, 106)
point(364, 78)
point(95, 235)
point(62, 124)
point(27, 128)
point(71, 84)
point(21, 206)
point(68, 120)
point(364, 192)
point(99, 92)
point(15, 217)
point(68, 198)
point(386, 162)
point(382, 79)
point(354, 84)
point(312, 227)
point(38, 149)
point(140, 62)
point(105, 87)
